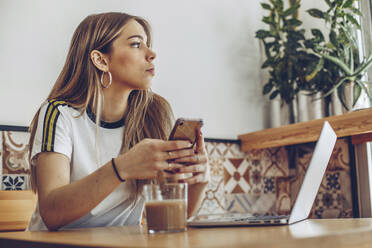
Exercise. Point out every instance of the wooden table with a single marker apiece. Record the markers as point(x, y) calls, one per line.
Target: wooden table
point(334, 233)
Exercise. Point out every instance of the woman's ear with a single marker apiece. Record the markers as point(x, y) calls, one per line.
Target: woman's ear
point(99, 60)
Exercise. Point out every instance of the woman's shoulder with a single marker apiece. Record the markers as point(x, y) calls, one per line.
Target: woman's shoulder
point(57, 107)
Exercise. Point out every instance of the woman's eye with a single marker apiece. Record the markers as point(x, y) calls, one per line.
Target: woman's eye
point(136, 44)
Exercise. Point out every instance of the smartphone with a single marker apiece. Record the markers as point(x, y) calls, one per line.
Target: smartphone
point(186, 129)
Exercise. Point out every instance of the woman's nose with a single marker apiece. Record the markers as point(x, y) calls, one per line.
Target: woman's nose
point(151, 55)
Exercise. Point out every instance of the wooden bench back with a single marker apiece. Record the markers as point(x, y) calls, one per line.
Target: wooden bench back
point(16, 208)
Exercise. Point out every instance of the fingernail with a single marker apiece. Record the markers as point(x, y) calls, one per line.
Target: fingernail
point(181, 181)
point(196, 151)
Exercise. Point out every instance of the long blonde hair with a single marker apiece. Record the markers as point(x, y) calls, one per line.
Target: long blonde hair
point(148, 114)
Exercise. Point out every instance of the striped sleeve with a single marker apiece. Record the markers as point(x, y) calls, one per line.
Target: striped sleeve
point(53, 132)
point(52, 114)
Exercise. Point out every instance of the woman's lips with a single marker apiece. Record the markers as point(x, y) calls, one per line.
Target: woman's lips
point(151, 70)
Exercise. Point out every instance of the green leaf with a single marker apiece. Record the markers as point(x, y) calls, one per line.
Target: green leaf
point(292, 10)
point(276, 47)
point(262, 34)
point(278, 4)
point(294, 22)
point(363, 67)
point(328, 3)
point(341, 96)
point(294, 36)
point(336, 86)
point(316, 13)
point(365, 89)
point(318, 34)
point(268, 87)
point(267, 63)
point(348, 4)
point(266, 6)
point(351, 60)
point(268, 20)
point(311, 43)
point(317, 68)
point(339, 2)
point(356, 11)
point(274, 94)
point(353, 20)
point(338, 62)
point(333, 38)
point(357, 90)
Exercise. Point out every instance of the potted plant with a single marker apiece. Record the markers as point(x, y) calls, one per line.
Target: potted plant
point(338, 68)
point(287, 61)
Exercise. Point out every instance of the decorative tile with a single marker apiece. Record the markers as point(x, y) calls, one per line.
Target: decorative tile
point(333, 182)
point(258, 182)
point(1, 152)
point(213, 201)
point(269, 185)
point(264, 204)
point(14, 182)
point(214, 198)
point(283, 197)
point(334, 196)
point(223, 150)
point(15, 152)
point(236, 176)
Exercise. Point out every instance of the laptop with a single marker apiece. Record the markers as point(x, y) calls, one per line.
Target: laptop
point(304, 200)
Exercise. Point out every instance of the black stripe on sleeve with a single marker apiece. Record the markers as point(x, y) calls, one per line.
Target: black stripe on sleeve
point(45, 128)
point(47, 122)
point(54, 132)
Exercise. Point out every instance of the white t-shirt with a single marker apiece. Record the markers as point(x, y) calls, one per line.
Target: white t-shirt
point(61, 129)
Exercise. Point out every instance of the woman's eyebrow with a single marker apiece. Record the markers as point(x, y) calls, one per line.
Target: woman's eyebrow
point(135, 36)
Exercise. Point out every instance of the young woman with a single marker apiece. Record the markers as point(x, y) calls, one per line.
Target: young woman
point(101, 134)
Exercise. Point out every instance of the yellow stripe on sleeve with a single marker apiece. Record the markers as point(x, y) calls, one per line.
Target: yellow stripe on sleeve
point(49, 124)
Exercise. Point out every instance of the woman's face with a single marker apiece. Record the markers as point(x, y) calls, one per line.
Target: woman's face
point(130, 60)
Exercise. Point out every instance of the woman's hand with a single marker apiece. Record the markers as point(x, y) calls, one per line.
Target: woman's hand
point(145, 159)
point(197, 164)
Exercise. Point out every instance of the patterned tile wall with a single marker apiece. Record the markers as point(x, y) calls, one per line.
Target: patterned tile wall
point(260, 181)
point(1, 153)
point(334, 198)
point(15, 168)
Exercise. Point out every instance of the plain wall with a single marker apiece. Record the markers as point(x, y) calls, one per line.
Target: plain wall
point(207, 65)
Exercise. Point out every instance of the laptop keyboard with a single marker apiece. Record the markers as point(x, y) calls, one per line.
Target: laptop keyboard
point(238, 217)
point(266, 217)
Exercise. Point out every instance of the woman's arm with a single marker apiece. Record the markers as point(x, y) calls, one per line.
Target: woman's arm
point(62, 202)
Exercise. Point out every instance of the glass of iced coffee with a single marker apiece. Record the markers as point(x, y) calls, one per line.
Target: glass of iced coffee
point(166, 207)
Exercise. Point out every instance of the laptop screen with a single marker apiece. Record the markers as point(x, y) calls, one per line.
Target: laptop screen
point(314, 174)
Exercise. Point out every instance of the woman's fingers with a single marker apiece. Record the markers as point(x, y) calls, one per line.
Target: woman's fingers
point(172, 155)
point(197, 178)
point(194, 159)
point(173, 145)
point(198, 168)
point(200, 142)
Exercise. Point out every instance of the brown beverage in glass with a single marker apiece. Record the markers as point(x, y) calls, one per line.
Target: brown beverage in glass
point(166, 207)
point(166, 215)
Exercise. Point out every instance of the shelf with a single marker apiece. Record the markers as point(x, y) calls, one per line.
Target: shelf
point(358, 124)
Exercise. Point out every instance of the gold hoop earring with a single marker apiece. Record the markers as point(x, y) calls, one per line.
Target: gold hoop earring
point(110, 80)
